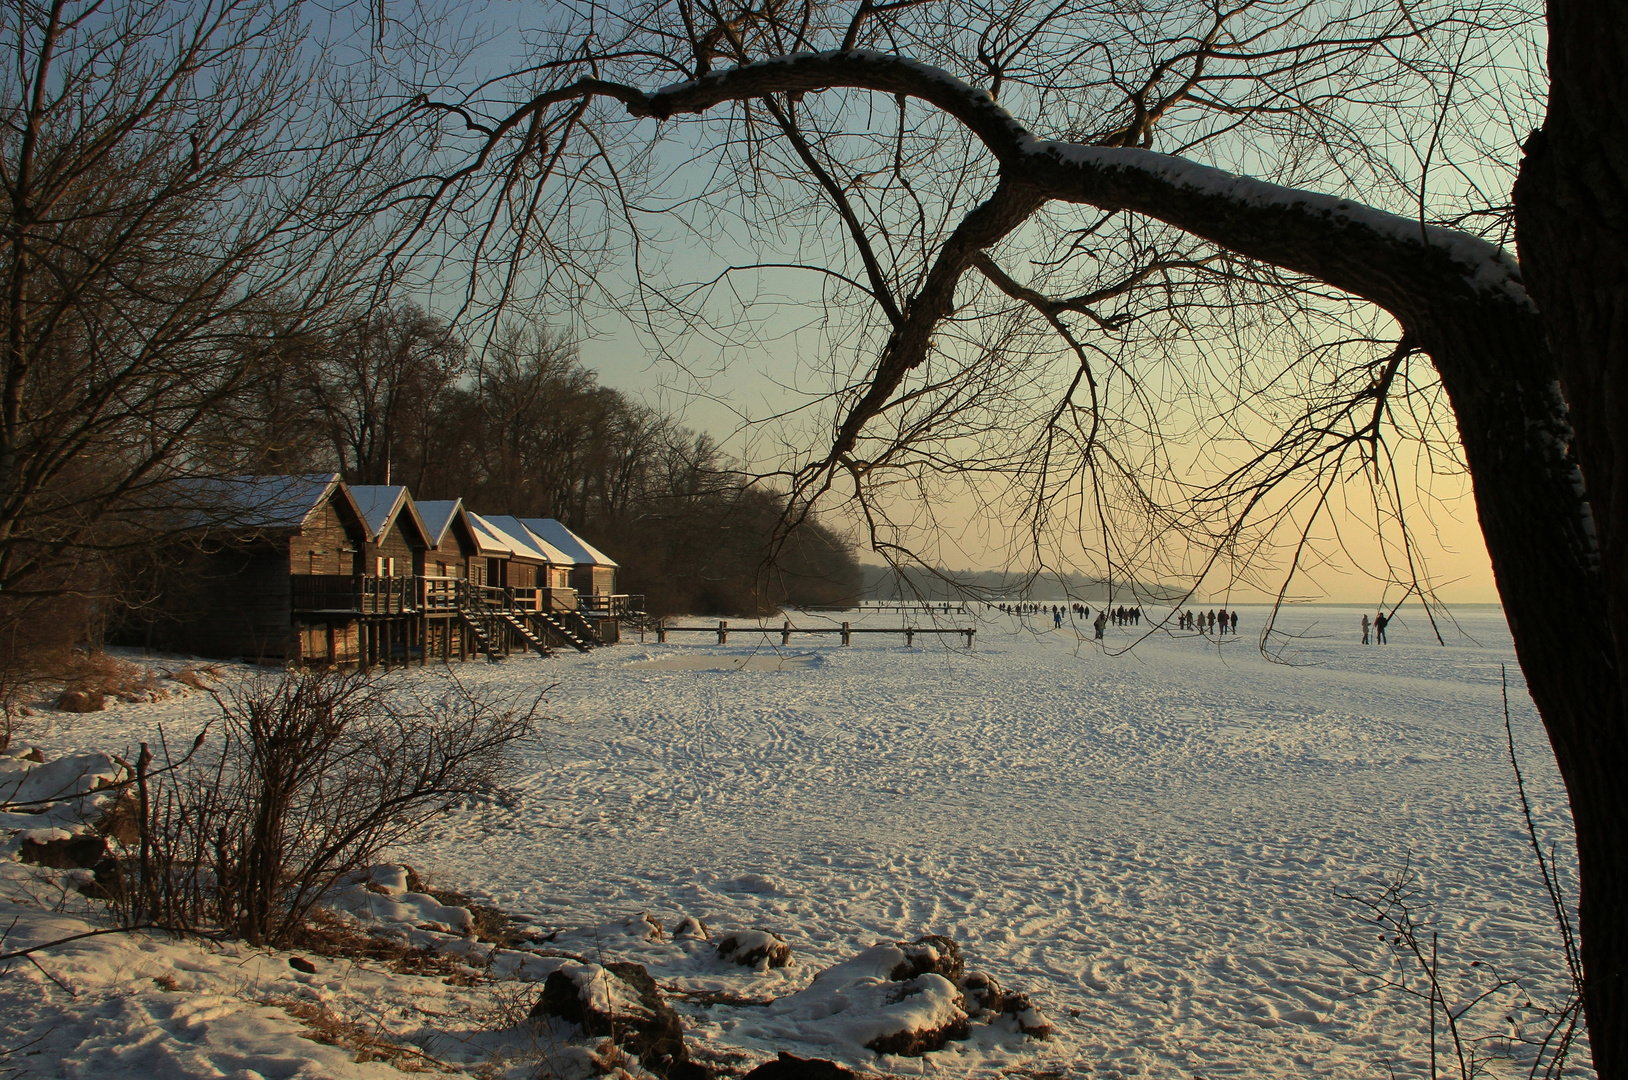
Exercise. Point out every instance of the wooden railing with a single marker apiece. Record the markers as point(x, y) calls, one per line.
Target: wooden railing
point(354, 592)
point(609, 605)
point(440, 594)
point(363, 594)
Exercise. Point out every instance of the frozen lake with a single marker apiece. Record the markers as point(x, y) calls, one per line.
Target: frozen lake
point(1160, 845)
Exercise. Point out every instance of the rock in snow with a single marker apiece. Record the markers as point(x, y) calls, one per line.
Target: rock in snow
point(755, 948)
point(621, 1001)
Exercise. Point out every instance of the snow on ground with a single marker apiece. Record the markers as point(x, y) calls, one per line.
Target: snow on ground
point(1159, 846)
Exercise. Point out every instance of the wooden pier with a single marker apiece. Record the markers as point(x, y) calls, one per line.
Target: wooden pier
point(847, 631)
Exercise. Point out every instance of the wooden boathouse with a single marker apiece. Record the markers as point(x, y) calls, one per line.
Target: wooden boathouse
point(308, 570)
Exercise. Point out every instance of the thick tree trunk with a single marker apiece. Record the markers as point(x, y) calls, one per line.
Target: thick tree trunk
point(1572, 226)
point(1500, 377)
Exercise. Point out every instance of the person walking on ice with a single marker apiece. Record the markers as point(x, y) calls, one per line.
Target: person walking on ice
point(1101, 621)
point(1365, 628)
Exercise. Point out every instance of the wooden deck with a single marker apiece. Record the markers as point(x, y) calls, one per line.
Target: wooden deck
point(400, 619)
point(786, 630)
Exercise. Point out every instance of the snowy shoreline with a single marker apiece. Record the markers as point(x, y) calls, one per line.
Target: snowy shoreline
point(1155, 845)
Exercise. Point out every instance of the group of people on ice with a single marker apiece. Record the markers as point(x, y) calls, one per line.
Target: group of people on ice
point(1209, 622)
point(1204, 622)
point(1380, 622)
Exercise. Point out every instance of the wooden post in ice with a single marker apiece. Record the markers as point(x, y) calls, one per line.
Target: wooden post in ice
point(970, 632)
point(661, 632)
point(785, 632)
point(910, 637)
point(847, 634)
point(723, 633)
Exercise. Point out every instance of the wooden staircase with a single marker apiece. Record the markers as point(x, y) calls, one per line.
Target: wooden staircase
point(484, 632)
point(519, 627)
point(582, 626)
point(564, 631)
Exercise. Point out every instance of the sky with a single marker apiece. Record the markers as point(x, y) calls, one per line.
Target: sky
point(716, 391)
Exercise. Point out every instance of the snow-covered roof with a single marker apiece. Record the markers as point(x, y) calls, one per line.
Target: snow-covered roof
point(438, 515)
point(489, 539)
point(575, 547)
point(257, 502)
point(531, 546)
point(382, 504)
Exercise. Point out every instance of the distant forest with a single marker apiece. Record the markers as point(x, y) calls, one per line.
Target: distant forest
point(522, 427)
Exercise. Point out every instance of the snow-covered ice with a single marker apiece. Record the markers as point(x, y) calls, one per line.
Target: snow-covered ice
point(1161, 847)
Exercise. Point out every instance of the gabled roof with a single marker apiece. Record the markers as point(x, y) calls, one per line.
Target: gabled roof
point(529, 545)
point(260, 502)
point(438, 515)
point(492, 540)
point(575, 547)
point(384, 504)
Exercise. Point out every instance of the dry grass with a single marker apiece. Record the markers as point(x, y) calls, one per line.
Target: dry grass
point(328, 1028)
point(198, 677)
point(99, 673)
point(325, 934)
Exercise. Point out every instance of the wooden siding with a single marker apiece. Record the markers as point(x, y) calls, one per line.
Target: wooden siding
point(409, 560)
point(325, 545)
point(593, 579)
point(249, 615)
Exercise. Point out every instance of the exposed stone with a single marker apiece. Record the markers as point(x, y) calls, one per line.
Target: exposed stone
point(82, 701)
point(634, 1014)
point(75, 852)
point(750, 948)
point(692, 928)
point(933, 953)
point(790, 1067)
point(914, 1042)
point(1029, 1019)
point(646, 926)
point(982, 992)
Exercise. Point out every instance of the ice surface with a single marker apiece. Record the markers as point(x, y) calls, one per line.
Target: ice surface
point(1157, 845)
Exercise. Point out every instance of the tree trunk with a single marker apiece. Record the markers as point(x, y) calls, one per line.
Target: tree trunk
point(1572, 225)
point(1511, 420)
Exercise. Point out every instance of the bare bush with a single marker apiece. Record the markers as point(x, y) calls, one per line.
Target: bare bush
point(314, 774)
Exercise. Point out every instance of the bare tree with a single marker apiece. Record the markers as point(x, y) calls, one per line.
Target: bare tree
point(1031, 265)
point(179, 197)
point(379, 381)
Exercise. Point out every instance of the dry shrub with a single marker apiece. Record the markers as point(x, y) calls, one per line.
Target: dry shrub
point(308, 777)
point(99, 673)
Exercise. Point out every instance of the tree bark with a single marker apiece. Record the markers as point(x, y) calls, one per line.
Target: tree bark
point(1571, 204)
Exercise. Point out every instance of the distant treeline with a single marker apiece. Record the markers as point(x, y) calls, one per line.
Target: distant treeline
point(521, 427)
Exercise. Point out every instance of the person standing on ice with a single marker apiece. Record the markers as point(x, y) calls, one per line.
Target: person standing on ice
point(1380, 622)
point(1235, 623)
point(1365, 628)
point(1102, 620)
point(1057, 618)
